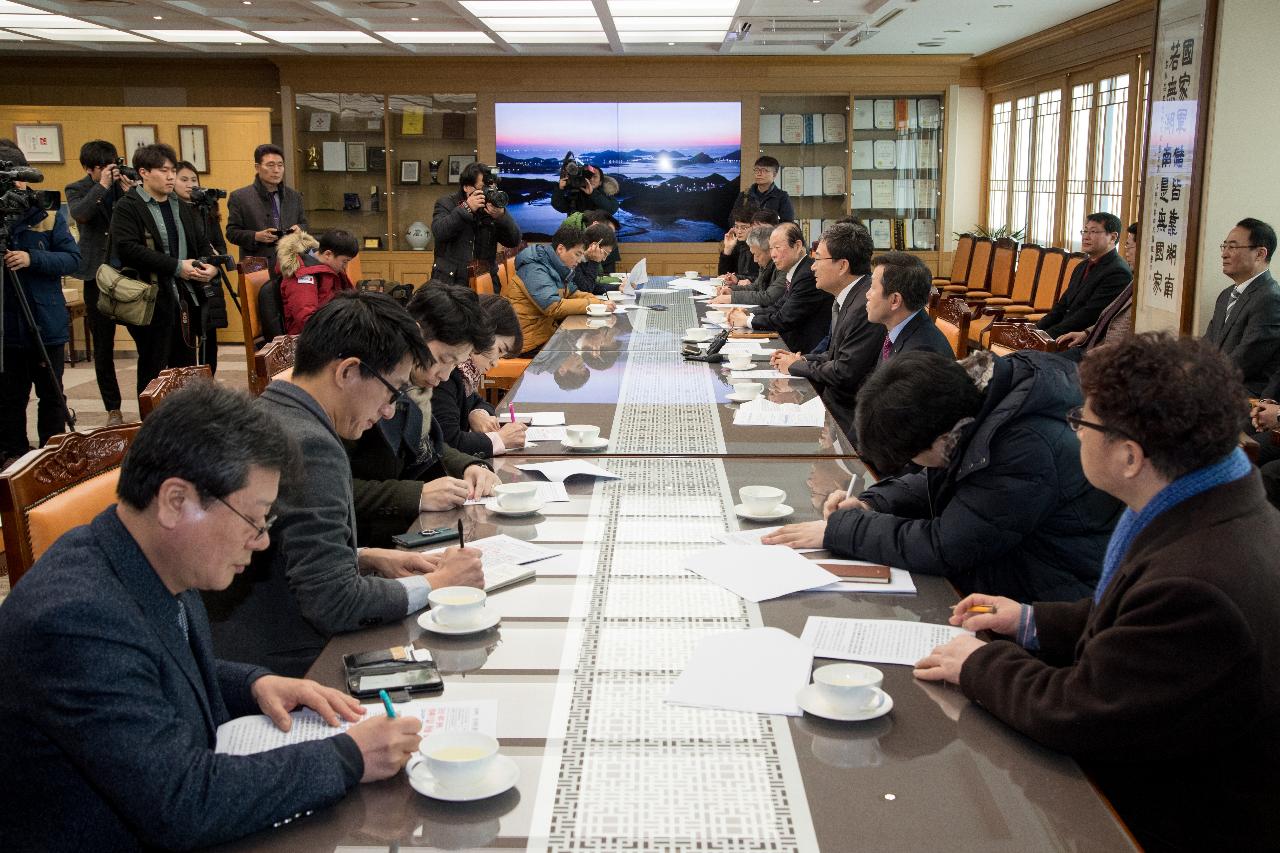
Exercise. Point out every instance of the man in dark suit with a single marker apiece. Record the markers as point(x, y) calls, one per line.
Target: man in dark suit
point(1171, 662)
point(1246, 319)
point(112, 696)
point(900, 287)
point(1095, 283)
point(801, 316)
point(260, 214)
point(841, 266)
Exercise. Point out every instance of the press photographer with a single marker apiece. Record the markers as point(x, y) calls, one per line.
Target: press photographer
point(155, 245)
point(204, 203)
point(583, 188)
point(37, 250)
point(469, 224)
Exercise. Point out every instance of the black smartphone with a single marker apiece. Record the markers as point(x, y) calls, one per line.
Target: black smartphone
point(425, 537)
point(276, 231)
point(414, 678)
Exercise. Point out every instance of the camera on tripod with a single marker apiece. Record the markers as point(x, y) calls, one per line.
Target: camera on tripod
point(207, 196)
point(128, 171)
point(493, 195)
point(15, 202)
point(574, 172)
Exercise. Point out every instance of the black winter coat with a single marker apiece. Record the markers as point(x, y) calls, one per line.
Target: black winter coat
point(462, 236)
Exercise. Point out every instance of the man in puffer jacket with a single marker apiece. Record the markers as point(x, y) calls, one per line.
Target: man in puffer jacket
point(543, 292)
point(1001, 506)
point(309, 280)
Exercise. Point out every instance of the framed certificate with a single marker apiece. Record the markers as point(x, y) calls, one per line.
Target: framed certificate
point(137, 136)
point(357, 157)
point(41, 143)
point(456, 162)
point(410, 171)
point(193, 146)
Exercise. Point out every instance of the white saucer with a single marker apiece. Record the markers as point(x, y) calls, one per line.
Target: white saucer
point(781, 512)
point(427, 620)
point(501, 777)
point(598, 444)
point(742, 398)
point(697, 340)
point(811, 702)
point(514, 513)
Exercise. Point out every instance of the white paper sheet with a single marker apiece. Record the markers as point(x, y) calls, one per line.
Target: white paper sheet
point(547, 493)
point(249, 735)
point(900, 583)
point(561, 471)
point(502, 548)
point(762, 412)
point(546, 433)
point(758, 572)
point(875, 640)
point(753, 537)
point(758, 670)
point(762, 373)
point(639, 273)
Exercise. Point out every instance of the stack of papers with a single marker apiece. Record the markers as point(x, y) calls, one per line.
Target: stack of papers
point(545, 433)
point(758, 670)
point(539, 418)
point(560, 471)
point(900, 583)
point(875, 640)
point(753, 537)
point(547, 493)
point(758, 572)
point(762, 412)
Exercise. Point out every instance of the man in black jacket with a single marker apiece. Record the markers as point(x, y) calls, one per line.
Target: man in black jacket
point(594, 194)
point(802, 315)
point(841, 267)
point(1095, 282)
point(901, 284)
point(154, 235)
point(90, 200)
point(467, 228)
point(1001, 506)
point(1246, 318)
point(260, 214)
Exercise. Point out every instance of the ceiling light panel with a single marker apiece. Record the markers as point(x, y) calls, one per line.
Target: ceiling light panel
point(201, 36)
point(568, 25)
point(425, 37)
point(678, 8)
point(686, 36)
point(48, 22)
point(6, 36)
point(17, 8)
point(317, 36)
point(98, 34)
point(668, 23)
point(531, 9)
point(560, 37)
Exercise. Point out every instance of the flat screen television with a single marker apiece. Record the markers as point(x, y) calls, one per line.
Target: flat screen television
point(678, 165)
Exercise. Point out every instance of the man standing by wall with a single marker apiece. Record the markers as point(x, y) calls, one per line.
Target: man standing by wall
point(260, 214)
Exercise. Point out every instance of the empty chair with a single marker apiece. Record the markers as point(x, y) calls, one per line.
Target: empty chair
point(1004, 252)
point(1050, 280)
point(978, 272)
point(959, 262)
point(167, 382)
point(952, 315)
point(1022, 292)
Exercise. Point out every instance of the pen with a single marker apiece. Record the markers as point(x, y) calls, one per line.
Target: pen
point(981, 608)
point(462, 542)
point(852, 482)
point(386, 703)
point(511, 410)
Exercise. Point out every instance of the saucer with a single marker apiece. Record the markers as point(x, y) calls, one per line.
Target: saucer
point(782, 511)
point(514, 513)
point(501, 777)
point(705, 340)
point(427, 621)
point(811, 702)
point(741, 398)
point(598, 444)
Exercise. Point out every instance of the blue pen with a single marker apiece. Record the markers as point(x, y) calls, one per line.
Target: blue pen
point(386, 703)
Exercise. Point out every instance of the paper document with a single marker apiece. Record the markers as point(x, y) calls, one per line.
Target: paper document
point(547, 493)
point(753, 537)
point(900, 583)
point(507, 549)
point(249, 735)
point(762, 412)
point(759, 670)
point(762, 373)
point(506, 574)
point(545, 433)
point(758, 572)
point(875, 640)
point(560, 471)
point(639, 273)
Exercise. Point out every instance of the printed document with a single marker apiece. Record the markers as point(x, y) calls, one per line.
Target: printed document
point(547, 493)
point(758, 572)
point(758, 669)
point(561, 471)
point(875, 640)
point(762, 412)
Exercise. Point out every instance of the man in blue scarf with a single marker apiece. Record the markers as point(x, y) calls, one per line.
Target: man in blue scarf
point(1163, 683)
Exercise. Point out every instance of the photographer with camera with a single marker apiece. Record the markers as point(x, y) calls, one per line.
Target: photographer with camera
point(90, 200)
point(38, 251)
point(469, 224)
point(583, 188)
point(154, 236)
point(210, 242)
point(260, 214)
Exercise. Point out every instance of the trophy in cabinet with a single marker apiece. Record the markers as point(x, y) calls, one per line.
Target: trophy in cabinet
point(313, 159)
point(435, 171)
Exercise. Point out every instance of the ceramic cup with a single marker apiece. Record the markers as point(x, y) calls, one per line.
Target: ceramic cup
point(595, 309)
point(616, 296)
point(699, 334)
point(716, 316)
point(748, 390)
point(459, 759)
point(761, 500)
point(740, 360)
point(690, 273)
point(582, 434)
point(848, 687)
point(457, 606)
point(516, 497)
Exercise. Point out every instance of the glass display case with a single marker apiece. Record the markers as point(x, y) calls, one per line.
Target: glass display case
point(809, 136)
point(432, 137)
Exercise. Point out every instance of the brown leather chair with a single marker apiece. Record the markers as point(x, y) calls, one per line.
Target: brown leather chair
point(1022, 292)
point(1048, 287)
point(952, 315)
point(167, 382)
point(959, 262)
point(483, 283)
point(273, 361)
point(1011, 335)
point(502, 377)
point(1004, 253)
point(60, 486)
point(978, 272)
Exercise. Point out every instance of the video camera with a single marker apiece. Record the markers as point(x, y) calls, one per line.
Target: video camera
point(224, 261)
point(14, 202)
point(207, 196)
point(128, 171)
point(574, 172)
point(493, 195)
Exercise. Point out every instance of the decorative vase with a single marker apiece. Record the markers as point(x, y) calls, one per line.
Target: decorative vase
point(418, 236)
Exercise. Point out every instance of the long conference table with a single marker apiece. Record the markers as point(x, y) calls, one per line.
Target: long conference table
point(585, 653)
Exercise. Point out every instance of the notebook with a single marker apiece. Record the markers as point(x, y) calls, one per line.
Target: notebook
point(853, 570)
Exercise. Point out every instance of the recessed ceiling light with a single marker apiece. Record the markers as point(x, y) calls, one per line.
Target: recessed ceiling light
point(201, 36)
point(317, 36)
point(415, 20)
point(157, 18)
point(246, 2)
point(671, 44)
point(435, 37)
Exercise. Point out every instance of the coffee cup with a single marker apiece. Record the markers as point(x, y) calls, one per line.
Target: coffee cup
point(691, 273)
point(699, 334)
point(595, 309)
point(616, 295)
point(761, 500)
point(456, 759)
point(716, 316)
point(748, 390)
point(582, 434)
point(848, 687)
point(740, 361)
point(516, 497)
point(457, 606)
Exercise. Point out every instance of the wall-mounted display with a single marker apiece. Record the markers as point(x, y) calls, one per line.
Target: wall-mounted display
point(321, 122)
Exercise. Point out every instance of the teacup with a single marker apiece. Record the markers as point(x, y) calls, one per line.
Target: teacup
point(616, 295)
point(581, 434)
point(761, 500)
point(691, 273)
point(740, 361)
point(516, 497)
point(848, 687)
point(748, 390)
point(458, 759)
point(716, 316)
point(595, 309)
point(699, 334)
point(457, 606)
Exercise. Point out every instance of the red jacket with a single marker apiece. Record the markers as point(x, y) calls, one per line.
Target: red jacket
point(307, 290)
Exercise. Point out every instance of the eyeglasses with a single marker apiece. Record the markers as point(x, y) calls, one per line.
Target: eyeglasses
point(261, 529)
point(1077, 423)
point(397, 394)
point(1231, 247)
point(818, 257)
point(1086, 233)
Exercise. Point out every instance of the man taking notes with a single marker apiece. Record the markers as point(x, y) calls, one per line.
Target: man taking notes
point(111, 691)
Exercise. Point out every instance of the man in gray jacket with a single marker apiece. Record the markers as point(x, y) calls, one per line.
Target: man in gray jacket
point(352, 366)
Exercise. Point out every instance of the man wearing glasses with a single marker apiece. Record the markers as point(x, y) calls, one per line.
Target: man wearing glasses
point(352, 367)
point(765, 194)
point(1095, 282)
point(1246, 319)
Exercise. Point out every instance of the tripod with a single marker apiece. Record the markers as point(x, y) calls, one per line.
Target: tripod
point(68, 416)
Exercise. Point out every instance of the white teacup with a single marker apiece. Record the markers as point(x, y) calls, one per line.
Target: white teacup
point(516, 497)
point(848, 687)
point(699, 334)
point(716, 316)
point(616, 295)
point(748, 390)
point(595, 309)
point(457, 759)
point(691, 273)
point(740, 361)
point(761, 500)
point(457, 606)
point(581, 434)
